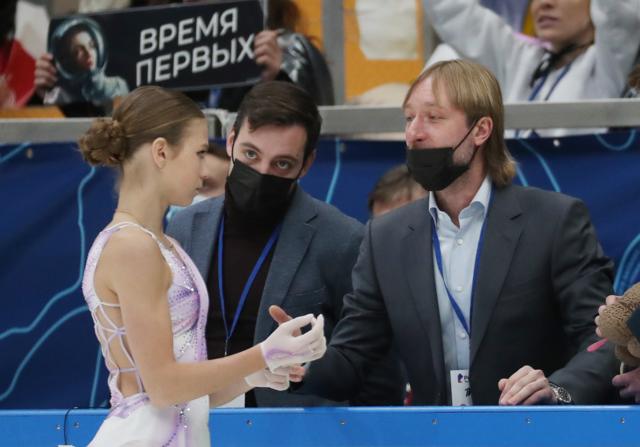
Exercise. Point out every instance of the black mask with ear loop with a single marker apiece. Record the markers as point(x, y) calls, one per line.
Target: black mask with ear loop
point(433, 168)
point(258, 196)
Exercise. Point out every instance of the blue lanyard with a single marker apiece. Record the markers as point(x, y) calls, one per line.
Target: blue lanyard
point(537, 89)
point(248, 284)
point(436, 248)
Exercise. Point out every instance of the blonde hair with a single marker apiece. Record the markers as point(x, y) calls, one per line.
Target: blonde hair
point(473, 89)
point(147, 113)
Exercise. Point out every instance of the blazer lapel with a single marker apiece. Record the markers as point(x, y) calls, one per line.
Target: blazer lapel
point(501, 236)
point(204, 231)
point(418, 266)
point(293, 242)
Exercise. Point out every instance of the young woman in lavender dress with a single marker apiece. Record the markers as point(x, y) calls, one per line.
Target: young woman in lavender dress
point(148, 301)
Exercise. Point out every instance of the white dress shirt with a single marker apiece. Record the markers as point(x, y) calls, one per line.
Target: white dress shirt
point(458, 246)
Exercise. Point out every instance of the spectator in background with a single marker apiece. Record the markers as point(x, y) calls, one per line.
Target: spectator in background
point(286, 56)
point(513, 12)
point(216, 166)
point(633, 85)
point(394, 189)
point(16, 64)
point(632, 91)
point(214, 177)
point(585, 50)
point(7, 27)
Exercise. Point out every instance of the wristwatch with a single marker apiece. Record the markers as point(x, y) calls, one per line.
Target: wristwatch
point(562, 396)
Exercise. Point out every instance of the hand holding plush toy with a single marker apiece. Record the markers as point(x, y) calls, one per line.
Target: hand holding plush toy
point(612, 326)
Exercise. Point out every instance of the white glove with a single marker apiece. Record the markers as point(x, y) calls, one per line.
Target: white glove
point(277, 380)
point(282, 348)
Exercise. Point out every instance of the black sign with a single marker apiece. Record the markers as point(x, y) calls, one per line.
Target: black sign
point(186, 47)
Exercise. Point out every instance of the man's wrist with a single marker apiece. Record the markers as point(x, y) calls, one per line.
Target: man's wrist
point(562, 396)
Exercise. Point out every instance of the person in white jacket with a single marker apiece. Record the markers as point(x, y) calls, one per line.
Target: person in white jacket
point(585, 49)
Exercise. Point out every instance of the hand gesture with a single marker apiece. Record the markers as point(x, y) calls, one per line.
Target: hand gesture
point(628, 384)
point(284, 348)
point(610, 300)
point(277, 380)
point(7, 97)
point(46, 75)
point(297, 372)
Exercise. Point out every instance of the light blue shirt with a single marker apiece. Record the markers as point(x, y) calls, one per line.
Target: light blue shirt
point(458, 247)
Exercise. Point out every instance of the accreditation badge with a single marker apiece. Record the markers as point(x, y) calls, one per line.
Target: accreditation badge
point(460, 387)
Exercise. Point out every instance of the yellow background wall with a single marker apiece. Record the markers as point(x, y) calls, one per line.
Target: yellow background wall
point(362, 74)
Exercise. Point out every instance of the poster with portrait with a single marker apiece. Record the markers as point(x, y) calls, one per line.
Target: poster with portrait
point(180, 46)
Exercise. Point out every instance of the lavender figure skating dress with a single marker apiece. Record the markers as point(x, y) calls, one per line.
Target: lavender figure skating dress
point(133, 420)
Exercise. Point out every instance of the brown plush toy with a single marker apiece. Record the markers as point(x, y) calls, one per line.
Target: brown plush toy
point(613, 325)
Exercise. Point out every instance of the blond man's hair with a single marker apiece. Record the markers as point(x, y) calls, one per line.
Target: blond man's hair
point(473, 89)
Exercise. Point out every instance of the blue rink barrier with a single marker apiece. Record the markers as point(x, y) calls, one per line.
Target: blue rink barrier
point(577, 426)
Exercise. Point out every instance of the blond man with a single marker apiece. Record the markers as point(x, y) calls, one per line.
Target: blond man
point(488, 289)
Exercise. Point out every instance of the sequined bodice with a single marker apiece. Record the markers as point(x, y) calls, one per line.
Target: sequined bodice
point(187, 306)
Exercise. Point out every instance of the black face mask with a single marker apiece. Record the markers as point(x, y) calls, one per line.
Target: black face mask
point(433, 168)
point(257, 196)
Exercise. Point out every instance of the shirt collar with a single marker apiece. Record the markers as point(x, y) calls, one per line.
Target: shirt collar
point(480, 201)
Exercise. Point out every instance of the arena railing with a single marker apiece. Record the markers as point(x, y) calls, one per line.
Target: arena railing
point(349, 120)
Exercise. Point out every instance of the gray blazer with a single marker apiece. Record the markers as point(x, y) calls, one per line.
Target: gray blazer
point(542, 276)
point(310, 271)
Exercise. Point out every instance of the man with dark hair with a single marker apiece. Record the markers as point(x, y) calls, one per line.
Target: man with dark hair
point(488, 289)
point(267, 242)
point(395, 188)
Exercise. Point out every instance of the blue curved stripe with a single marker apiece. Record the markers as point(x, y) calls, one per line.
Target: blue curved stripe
point(623, 147)
point(336, 172)
point(58, 296)
point(521, 177)
point(634, 273)
point(96, 376)
point(623, 263)
point(545, 166)
point(36, 346)
point(15, 152)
